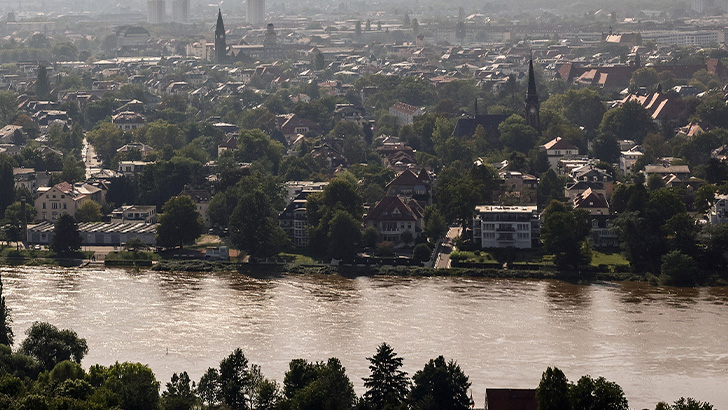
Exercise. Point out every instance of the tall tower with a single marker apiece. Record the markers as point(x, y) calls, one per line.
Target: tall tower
point(181, 11)
point(220, 46)
point(155, 11)
point(256, 11)
point(532, 104)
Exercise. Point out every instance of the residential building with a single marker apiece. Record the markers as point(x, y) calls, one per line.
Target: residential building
point(393, 216)
point(592, 202)
point(201, 198)
point(128, 120)
point(718, 213)
point(293, 188)
point(25, 178)
point(405, 113)
point(131, 168)
point(142, 149)
point(627, 159)
point(681, 172)
point(294, 220)
point(409, 185)
point(135, 213)
point(52, 202)
point(558, 148)
point(496, 226)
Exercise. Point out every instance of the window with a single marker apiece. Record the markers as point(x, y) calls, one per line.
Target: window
point(64, 205)
point(44, 205)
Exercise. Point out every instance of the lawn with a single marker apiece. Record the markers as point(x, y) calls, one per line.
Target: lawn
point(609, 259)
point(298, 258)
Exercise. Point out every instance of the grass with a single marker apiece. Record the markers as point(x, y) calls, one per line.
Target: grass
point(297, 258)
point(609, 259)
point(127, 255)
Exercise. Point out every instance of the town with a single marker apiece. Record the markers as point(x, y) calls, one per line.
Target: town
point(580, 144)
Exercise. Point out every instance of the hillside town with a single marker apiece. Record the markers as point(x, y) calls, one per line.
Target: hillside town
point(385, 140)
point(415, 138)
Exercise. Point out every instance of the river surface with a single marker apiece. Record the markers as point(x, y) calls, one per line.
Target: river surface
point(657, 343)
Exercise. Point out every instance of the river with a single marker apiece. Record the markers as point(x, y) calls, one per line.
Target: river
point(657, 343)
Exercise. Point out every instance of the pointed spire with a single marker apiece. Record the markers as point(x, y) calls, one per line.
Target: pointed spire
point(219, 27)
point(531, 94)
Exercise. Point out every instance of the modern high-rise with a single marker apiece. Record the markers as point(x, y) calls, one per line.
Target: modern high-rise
point(256, 11)
point(155, 11)
point(181, 11)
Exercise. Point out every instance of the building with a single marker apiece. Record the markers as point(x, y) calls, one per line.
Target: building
point(533, 106)
point(201, 198)
point(294, 220)
point(409, 185)
point(256, 11)
point(627, 159)
point(127, 120)
point(510, 399)
point(497, 226)
point(142, 149)
point(220, 43)
point(558, 148)
point(393, 216)
point(52, 202)
point(25, 178)
point(135, 213)
point(131, 168)
point(156, 11)
point(98, 233)
point(181, 11)
point(718, 213)
point(405, 113)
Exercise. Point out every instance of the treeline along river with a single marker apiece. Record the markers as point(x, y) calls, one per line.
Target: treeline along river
point(657, 343)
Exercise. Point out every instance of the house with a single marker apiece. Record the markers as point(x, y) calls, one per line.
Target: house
point(135, 213)
point(293, 188)
point(231, 144)
point(294, 219)
point(409, 185)
point(7, 133)
point(292, 125)
point(139, 147)
point(682, 172)
point(517, 188)
point(201, 198)
point(52, 202)
point(128, 120)
point(496, 226)
point(510, 399)
point(592, 202)
point(25, 178)
point(718, 213)
point(591, 175)
point(405, 113)
point(558, 148)
point(131, 168)
point(628, 158)
point(393, 216)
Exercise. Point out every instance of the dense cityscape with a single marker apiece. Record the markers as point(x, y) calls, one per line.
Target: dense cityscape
point(414, 139)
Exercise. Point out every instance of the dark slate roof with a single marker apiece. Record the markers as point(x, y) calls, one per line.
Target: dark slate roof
point(465, 127)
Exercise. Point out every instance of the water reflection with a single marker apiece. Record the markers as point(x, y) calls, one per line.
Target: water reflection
point(567, 296)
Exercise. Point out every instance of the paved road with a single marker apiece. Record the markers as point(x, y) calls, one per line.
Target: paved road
point(93, 165)
point(446, 246)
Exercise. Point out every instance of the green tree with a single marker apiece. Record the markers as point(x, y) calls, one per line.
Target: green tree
point(644, 77)
point(256, 147)
point(388, 385)
point(516, 135)
point(254, 226)
point(344, 235)
point(7, 183)
point(313, 386)
point(678, 269)
point(234, 380)
point(106, 138)
point(440, 385)
point(630, 121)
point(435, 223)
point(73, 170)
point(6, 322)
point(8, 107)
point(89, 211)
point(553, 391)
point(42, 84)
point(685, 404)
point(567, 245)
point(180, 224)
point(51, 345)
point(128, 386)
point(582, 107)
point(599, 394)
point(66, 240)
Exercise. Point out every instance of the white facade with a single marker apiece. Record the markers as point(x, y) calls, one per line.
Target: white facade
point(718, 213)
point(627, 160)
point(496, 226)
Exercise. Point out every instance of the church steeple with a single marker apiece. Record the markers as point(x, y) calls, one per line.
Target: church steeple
point(532, 104)
point(220, 44)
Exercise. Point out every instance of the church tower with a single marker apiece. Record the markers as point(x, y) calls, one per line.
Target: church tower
point(532, 104)
point(220, 46)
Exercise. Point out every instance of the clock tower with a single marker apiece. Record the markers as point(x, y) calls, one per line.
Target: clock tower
point(533, 106)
